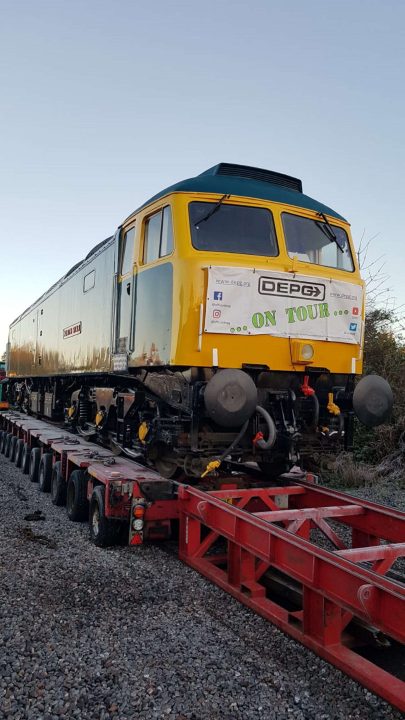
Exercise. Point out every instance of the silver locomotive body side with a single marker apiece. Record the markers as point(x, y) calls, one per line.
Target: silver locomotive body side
point(70, 328)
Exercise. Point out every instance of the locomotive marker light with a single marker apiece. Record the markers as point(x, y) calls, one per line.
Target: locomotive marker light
point(302, 352)
point(307, 352)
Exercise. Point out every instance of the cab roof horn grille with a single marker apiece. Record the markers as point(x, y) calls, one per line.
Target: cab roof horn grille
point(253, 173)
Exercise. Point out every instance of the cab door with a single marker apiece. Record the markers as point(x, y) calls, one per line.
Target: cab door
point(125, 291)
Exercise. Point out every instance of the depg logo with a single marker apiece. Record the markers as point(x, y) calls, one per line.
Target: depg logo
point(291, 288)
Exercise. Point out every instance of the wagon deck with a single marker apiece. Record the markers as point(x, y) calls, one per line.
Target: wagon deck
point(323, 566)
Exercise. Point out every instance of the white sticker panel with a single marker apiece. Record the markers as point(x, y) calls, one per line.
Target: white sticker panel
point(243, 301)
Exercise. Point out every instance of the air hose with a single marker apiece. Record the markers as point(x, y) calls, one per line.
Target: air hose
point(214, 464)
point(315, 420)
point(260, 442)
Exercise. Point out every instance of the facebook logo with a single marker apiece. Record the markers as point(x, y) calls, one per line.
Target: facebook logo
point(217, 295)
point(353, 327)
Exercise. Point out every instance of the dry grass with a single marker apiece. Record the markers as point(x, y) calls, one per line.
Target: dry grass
point(348, 473)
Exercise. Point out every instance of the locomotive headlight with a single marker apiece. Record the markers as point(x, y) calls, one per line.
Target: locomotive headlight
point(307, 352)
point(302, 352)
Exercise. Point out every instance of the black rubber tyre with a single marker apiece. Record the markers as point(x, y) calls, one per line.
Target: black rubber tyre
point(58, 485)
point(25, 459)
point(102, 530)
point(3, 442)
point(8, 445)
point(13, 445)
point(77, 506)
point(45, 472)
point(19, 452)
point(35, 459)
point(1, 438)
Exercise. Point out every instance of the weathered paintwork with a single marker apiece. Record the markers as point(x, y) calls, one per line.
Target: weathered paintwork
point(164, 306)
point(190, 289)
point(38, 345)
point(153, 316)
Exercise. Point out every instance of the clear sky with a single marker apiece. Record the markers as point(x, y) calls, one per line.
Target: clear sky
point(105, 102)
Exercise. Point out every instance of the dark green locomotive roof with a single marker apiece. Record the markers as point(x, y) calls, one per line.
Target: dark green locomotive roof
point(226, 179)
point(245, 181)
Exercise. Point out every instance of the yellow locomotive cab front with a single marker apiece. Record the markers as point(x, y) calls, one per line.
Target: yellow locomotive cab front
point(273, 310)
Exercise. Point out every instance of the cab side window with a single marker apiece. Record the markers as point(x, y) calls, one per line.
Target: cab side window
point(127, 251)
point(158, 235)
point(89, 281)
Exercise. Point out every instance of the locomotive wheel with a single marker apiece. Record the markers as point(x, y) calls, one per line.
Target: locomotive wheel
point(166, 467)
point(7, 445)
point(77, 506)
point(25, 459)
point(58, 485)
point(19, 452)
point(45, 472)
point(13, 444)
point(35, 458)
point(162, 459)
point(87, 434)
point(102, 530)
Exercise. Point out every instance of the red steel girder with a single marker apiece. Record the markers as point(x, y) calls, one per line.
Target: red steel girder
point(334, 587)
point(334, 511)
point(382, 556)
point(377, 520)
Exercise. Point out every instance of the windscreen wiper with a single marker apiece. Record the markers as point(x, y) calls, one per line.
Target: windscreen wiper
point(212, 211)
point(327, 230)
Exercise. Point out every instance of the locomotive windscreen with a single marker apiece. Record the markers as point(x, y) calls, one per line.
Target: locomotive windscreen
point(232, 229)
point(316, 242)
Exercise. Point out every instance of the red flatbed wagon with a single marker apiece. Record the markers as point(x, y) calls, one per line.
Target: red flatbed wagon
point(320, 564)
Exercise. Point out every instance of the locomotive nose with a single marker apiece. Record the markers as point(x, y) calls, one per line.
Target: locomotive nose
point(230, 397)
point(372, 400)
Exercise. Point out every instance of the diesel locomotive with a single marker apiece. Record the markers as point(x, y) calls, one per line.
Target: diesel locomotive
point(222, 323)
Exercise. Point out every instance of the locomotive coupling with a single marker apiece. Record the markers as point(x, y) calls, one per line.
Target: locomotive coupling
point(372, 400)
point(230, 397)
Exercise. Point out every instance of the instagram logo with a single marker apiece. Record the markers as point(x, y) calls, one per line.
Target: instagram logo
point(216, 313)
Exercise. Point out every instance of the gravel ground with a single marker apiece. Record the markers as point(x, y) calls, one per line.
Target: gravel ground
point(134, 634)
point(385, 492)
